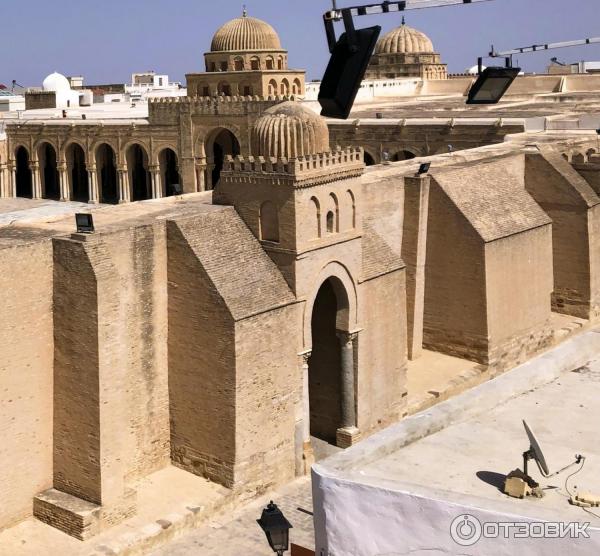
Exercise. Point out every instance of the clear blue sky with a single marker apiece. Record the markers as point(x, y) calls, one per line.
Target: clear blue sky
point(107, 40)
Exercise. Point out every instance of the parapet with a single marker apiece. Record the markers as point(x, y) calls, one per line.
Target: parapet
point(304, 171)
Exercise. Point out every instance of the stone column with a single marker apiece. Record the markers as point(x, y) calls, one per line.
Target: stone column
point(201, 175)
point(36, 183)
point(303, 422)
point(348, 434)
point(3, 186)
point(414, 243)
point(93, 196)
point(63, 177)
point(13, 178)
point(156, 181)
point(123, 184)
point(209, 171)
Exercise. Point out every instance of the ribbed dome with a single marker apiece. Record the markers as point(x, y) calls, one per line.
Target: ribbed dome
point(404, 40)
point(245, 33)
point(290, 130)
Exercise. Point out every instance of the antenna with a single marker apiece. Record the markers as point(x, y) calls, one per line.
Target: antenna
point(534, 452)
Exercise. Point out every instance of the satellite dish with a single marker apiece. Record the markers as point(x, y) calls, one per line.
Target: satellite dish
point(536, 451)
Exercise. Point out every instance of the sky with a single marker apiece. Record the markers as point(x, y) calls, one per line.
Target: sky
point(106, 41)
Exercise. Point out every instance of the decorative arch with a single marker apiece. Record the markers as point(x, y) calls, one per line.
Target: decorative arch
point(255, 63)
point(369, 158)
point(138, 172)
point(24, 185)
point(280, 63)
point(224, 88)
point(270, 62)
point(404, 154)
point(105, 158)
point(285, 87)
point(238, 64)
point(352, 203)
point(316, 216)
point(345, 288)
point(48, 160)
point(168, 162)
point(77, 175)
point(334, 210)
point(269, 222)
point(220, 142)
point(297, 87)
point(272, 88)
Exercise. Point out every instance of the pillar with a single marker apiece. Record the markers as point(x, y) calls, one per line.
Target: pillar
point(93, 194)
point(209, 171)
point(348, 434)
point(123, 184)
point(36, 183)
point(305, 456)
point(3, 185)
point(13, 178)
point(63, 177)
point(414, 244)
point(156, 182)
point(201, 175)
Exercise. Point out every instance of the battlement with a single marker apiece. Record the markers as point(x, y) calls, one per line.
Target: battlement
point(167, 109)
point(304, 171)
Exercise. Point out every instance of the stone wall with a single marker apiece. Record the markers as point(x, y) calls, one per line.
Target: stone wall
point(26, 353)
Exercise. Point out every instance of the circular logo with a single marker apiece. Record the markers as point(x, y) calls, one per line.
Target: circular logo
point(466, 530)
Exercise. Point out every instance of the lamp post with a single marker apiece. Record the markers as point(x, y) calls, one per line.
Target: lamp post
point(276, 527)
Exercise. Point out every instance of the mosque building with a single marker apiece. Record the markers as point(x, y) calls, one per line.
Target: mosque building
point(273, 292)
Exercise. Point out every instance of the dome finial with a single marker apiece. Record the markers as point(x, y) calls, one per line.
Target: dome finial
point(244, 11)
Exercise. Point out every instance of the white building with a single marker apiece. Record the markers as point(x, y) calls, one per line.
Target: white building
point(59, 84)
point(9, 102)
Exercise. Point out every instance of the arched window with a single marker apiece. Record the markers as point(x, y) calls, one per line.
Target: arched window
point(272, 87)
point(285, 87)
point(316, 215)
point(269, 222)
point(352, 202)
point(238, 64)
point(297, 87)
point(255, 63)
point(330, 222)
point(270, 63)
point(280, 63)
point(224, 89)
point(334, 209)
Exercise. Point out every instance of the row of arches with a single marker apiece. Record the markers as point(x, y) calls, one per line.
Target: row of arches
point(76, 180)
point(284, 87)
point(245, 63)
point(328, 219)
point(397, 156)
point(580, 156)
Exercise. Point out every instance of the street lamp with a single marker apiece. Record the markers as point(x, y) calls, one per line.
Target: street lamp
point(276, 528)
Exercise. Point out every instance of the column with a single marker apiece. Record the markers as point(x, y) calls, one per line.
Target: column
point(93, 196)
point(209, 171)
point(13, 178)
point(36, 184)
point(348, 434)
point(201, 175)
point(65, 190)
point(306, 456)
point(3, 186)
point(156, 181)
point(414, 243)
point(123, 184)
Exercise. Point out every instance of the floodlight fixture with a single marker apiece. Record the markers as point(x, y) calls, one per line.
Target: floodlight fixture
point(84, 223)
point(491, 85)
point(351, 54)
point(493, 82)
point(424, 168)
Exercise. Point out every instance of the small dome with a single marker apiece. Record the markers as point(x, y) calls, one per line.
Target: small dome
point(56, 82)
point(404, 40)
point(244, 34)
point(474, 70)
point(290, 130)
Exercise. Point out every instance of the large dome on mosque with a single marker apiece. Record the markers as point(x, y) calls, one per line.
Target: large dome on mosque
point(290, 130)
point(244, 34)
point(404, 40)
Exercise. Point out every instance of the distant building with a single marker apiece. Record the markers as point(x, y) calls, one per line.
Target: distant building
point(406, 52)
point(558, 68)
point(9, 102)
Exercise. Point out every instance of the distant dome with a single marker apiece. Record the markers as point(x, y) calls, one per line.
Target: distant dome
point(244, 34)
point(56, 82)
point(474, 70)
point(404, 40)
point(290, 130)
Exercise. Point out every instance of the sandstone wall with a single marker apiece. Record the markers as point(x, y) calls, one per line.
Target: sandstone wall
point(455, 319)
point(202, 364)
point(519, 285)
point(26, 361)
point(381, 382)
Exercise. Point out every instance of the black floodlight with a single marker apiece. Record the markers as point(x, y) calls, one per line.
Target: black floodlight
point(276, 528)
point(492, 84)
point(85, 223)
point(424, 168)
point(346, 70)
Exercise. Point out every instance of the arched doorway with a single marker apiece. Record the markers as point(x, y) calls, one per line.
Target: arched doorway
point(369, 160)
point(139, 176)
point(225, 143)
point(325, 364)
point(77, 172)
point(169, 172)
point(106, 165)
point(49, 172)
point(403, 155)
point(24, 181)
